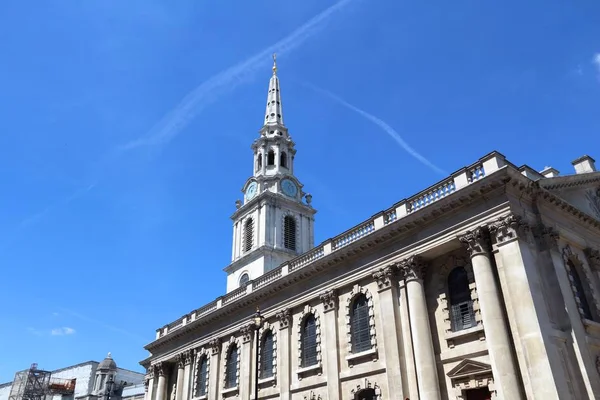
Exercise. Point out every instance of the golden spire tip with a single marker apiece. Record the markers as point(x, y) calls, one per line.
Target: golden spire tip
point(274, 63)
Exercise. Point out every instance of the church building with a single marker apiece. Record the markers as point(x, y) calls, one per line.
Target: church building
point(483, 286)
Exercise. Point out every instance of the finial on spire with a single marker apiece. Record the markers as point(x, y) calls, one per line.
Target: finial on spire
point(109, 355)
point(274, 63)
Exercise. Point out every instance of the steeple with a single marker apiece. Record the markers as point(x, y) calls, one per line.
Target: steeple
point(274, 222)
point(274, 112)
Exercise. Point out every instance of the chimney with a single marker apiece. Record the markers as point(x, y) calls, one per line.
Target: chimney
point(549, 172)
point(584, 164)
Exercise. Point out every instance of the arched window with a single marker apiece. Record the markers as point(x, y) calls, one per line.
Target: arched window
point(360, 329)
point(266, 355)
point(580, 292)
point(248, 234)
point(461, 304)
point(231, 367)
point(309, 341)
point(365, 394)
point(271, 157)
point(289, 232)
point(244, 279)
point(283, 159)
point(258, 161)
point(201, 376)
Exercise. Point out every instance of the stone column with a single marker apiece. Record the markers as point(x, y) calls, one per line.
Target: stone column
point(161, 388)
point(329, 299)
point(284, 368)
point(149, 389)
point(180, 371)
point(504, 368)
point(407, 347)
point(187, 375)
point(413, 270)
point(215, 366)
point(246, 377)
point(388, 293)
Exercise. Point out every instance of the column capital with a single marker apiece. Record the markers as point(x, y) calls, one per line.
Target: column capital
point(413, 268)
point(179, 361)
point(160, 369)
point(384, 276)
point(246, 332)
point(187, 355)
point(215, 346)
point(146, 384)
point(593, 257)
point(508, 228)
point(284, 317)
point(476, 241)
point(329, 299)
point(547, 237)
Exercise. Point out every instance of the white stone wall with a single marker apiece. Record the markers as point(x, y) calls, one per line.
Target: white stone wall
point(83, 373)
point(5, 391)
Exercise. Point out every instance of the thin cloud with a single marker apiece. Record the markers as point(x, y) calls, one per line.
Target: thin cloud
point(65, 330)
point(209, 91)
point(104, 325)
point(35, 332)
point(384, 126)
point(596, 62)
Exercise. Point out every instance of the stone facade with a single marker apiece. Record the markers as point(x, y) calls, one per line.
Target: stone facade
point(483, 286)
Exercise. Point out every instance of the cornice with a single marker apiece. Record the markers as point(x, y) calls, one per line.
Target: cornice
point(277, 198)
point(404, 226)
point(569, 181)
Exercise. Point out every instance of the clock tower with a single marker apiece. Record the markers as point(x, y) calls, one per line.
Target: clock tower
point(274, 223)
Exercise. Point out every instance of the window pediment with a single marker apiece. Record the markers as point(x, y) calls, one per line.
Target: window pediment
point(469, 368)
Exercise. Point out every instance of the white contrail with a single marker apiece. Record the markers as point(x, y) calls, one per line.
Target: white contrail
point(227, 80)
point(386, 128)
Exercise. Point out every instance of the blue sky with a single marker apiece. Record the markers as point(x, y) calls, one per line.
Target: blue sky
point(127, 128)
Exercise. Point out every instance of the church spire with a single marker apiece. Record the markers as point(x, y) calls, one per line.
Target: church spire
point(274, 113)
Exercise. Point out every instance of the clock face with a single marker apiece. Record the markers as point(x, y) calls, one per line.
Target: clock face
point(251, 191)
point(289, 188)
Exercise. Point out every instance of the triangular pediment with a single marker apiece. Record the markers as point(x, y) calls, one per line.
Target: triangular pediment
point(468, 368)
point(582, 191)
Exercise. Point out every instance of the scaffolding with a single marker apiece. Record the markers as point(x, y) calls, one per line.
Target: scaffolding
point(36, 384)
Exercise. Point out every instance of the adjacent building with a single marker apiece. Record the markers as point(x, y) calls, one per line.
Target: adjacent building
point(485, 285)
point(90, 380)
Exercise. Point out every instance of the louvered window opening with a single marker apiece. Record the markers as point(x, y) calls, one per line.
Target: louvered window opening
point(271, 158)
point(309, 342)
point(266, 356)
point(366, 394)
point(231, 369)
point(201, 377)
point(248, 234)
point(283, 160)
point(359, 325)
point(583, 303)
point(289, 232)
point(462, 315)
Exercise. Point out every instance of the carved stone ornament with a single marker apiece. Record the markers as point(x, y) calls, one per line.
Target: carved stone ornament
point(593, 257)
point(593, 197)
point(329, 299)
point(246, 332)
point(150, 372)
point(146, 385)
point(160, 369)
point(413, 268)
point(284, 317)
point(188, 355)
point(598, 364)
point(548, 237)
point(384, 276)
point(476, 241)
point(179, 361)
point(507, 228)
point(215, 346)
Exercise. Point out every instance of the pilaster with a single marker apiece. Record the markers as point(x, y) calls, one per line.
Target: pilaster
point(149, 382)
point(187, 374)
point(504, 367)
point(179, 362)
point(413, 270)
point(330, 303)
point(161, 388)
point(246, 363)
point(214, 376)
point(389, 313)
point(284, 368)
